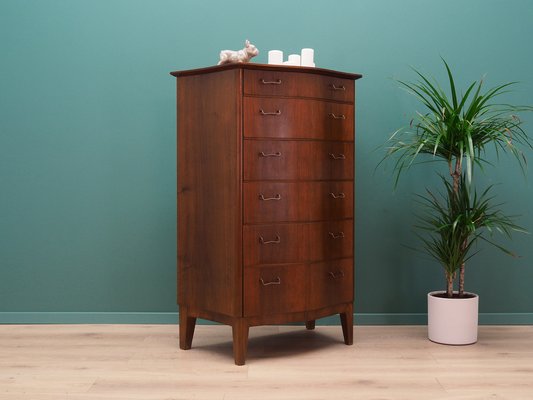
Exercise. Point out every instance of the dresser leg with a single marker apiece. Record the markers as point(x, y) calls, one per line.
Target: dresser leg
point(240, 340)
point(347, 325)
point(187, 325)
point(310, 325)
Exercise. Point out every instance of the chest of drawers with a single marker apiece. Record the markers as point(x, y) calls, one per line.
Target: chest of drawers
point(265, 197)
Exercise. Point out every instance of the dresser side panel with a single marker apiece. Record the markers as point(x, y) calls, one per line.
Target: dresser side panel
point(209, 192)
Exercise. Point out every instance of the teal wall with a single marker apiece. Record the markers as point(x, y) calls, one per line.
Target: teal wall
point(87, 143)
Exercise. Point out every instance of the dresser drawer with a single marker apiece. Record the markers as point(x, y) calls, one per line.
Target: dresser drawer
point(298, 118)
point(297, 242)
point(331, 239)
point(330, 283)
point(297, 201)
point(272, 290)
point(275, 244)
point(290, 159)
point(296, 84)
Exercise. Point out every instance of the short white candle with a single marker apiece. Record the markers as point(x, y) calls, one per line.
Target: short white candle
point(294, 59)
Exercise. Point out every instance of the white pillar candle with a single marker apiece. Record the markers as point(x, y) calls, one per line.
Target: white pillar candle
point(294, 59)
point(308, 56)
point(275, 57)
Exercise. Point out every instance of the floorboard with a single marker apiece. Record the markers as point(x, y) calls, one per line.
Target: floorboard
point(129, 362)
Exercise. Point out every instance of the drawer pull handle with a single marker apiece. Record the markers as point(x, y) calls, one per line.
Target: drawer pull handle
point(337, 157)
point(276, 281)
point(276, 197)
point(263, 112)
point(276, 154)
point(334, 116)
point(336, 275)
point(275, 241)
point(338, 196)
point(339, 235)
point(276, 82)
point(341, 87)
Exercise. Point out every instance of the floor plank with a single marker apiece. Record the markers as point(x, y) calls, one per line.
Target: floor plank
point(119, 362)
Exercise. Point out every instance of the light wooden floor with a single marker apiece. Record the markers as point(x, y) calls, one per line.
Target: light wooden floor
point(128, 362)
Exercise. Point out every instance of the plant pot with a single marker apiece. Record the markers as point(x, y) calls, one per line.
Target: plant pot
point(453, 320)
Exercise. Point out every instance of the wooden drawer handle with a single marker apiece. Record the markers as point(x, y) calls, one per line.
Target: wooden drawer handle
point(276, 82)
point(263, 112)
point(335, 116)
point(276, 154)
point(263, 198)
point(341, 87)
point(338, 196)
point(339, 235)
point(275, 241)
point(336, 275)
point(276, 281)
point(337, 157)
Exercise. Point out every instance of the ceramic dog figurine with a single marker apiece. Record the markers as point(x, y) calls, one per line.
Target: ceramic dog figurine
point(240, 56)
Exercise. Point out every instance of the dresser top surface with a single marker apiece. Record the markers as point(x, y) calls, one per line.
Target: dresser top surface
point(267, 67)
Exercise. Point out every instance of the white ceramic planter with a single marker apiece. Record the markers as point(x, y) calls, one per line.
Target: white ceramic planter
point(452, 321)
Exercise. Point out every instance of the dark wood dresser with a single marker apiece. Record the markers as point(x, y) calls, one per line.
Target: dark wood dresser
point(265, 197)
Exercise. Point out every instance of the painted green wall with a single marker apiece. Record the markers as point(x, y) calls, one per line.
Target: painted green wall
point(87, 142)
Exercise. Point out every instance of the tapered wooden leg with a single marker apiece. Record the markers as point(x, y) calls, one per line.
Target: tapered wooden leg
point(310, 325)
point(187, 324)
point(240, 340)
point(347, 325)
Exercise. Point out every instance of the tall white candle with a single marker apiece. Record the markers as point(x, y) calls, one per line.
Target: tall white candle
point(308, 56)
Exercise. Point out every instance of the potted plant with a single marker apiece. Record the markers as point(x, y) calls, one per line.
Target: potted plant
point(457, 129)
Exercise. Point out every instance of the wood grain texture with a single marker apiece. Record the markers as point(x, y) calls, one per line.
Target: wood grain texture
point(265, 192)
point(300, 201)
point(209, 192)
point(140, 362)
point(275, 289)
point(275, 243)
point(330, 283)
point(297, 242)
point(266, 67)
point(269, 82)
point(273, 117)
point(298, 160)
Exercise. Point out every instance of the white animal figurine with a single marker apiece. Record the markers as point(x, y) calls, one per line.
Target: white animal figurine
point(240, 56)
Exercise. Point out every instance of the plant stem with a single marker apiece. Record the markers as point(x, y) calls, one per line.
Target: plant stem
point(456, 175)
point(449, 281)
point(462, 276)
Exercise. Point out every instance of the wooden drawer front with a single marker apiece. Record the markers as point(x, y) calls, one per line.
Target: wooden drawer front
point(300, 201)
point(275, 244)
point(332, 239)
point(330, 283)
point(275, 289)
point(297, 242)
point(330, 200)
point(296, 84)
point(298, 118)
point(271, 202)
point(289, 159)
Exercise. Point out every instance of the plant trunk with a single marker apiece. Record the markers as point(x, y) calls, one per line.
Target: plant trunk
point(456, 175)
point(462, 278)
point(449, 282)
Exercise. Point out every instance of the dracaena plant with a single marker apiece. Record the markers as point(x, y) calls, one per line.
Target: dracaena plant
point(458, 129)
point(455, 220)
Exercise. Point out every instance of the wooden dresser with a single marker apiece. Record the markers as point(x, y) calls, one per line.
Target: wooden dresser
point(265, 197)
